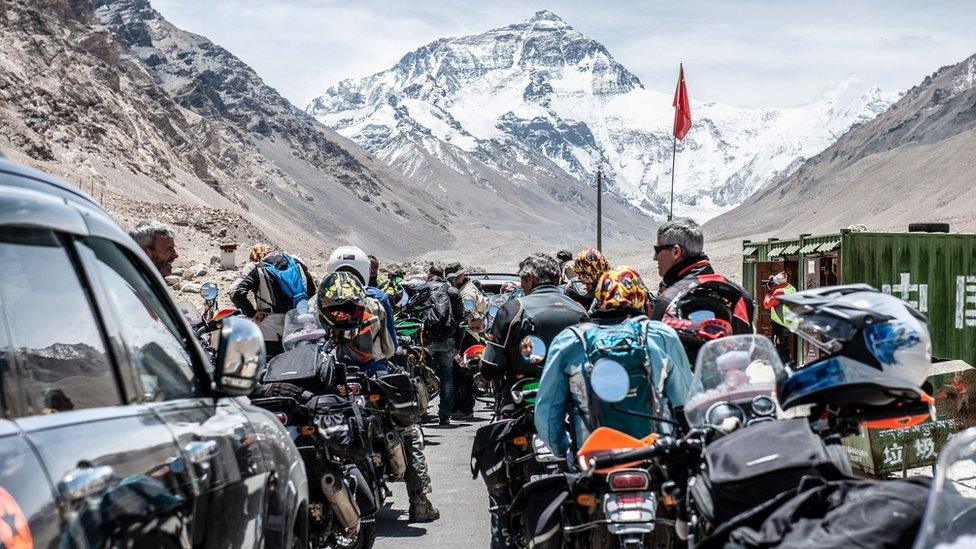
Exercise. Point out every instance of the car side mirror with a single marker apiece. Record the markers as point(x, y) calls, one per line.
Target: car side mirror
point(240, 356)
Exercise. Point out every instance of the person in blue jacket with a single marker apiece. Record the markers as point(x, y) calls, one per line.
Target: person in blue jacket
point(620, 296)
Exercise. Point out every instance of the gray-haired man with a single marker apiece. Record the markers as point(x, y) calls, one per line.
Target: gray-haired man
point(158, 241)
point(520, 336)
point(685, 269)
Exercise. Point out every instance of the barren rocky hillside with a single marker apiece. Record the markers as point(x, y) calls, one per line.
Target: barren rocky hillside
point(154, 121)
point(914, 162)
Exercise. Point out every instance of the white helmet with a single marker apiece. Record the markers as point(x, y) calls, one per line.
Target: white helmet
point(351, 256)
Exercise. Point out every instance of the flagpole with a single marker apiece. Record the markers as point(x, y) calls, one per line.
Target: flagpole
point(599, 208)
point(674, 150)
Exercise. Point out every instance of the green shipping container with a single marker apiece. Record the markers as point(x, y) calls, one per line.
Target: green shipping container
point(879, 452)
point(935, 272)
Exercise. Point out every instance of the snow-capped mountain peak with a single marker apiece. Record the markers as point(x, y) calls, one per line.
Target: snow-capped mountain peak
point(538, 99)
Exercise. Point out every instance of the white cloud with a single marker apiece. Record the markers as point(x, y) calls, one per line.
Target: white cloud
point(747, 53)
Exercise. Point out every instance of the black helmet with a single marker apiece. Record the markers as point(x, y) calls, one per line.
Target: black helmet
point(342, 302)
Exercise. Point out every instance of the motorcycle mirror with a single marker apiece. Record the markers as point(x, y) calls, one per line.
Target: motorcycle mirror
point(209, 291)
point(240, 356)
point(533, 350)
point(609, 380)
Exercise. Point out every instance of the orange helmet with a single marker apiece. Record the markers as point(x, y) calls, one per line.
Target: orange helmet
point(620, 289)
point(590, 265)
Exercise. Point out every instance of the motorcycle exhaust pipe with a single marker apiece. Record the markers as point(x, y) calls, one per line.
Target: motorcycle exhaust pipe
point(342, 505)
point(396, 456)
point(364, 492)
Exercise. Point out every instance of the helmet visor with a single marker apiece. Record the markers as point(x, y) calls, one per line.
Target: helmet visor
point(344, 315)
point(824, 332)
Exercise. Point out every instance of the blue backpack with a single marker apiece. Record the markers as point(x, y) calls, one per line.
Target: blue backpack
point(289, 276)
point(627, 344)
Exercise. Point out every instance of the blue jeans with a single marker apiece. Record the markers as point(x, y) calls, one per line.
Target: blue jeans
point(443, 353)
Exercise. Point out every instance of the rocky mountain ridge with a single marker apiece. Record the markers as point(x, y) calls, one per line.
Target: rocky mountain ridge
point(538, 99)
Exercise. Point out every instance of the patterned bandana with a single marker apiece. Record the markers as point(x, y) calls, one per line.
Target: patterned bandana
point(620, 289)
point(590, 265)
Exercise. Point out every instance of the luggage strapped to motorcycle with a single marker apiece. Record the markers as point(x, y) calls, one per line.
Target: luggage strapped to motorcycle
point(402, 394)
point(751, 466)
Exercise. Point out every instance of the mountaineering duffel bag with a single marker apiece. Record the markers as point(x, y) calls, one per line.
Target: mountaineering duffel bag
point(755, 464)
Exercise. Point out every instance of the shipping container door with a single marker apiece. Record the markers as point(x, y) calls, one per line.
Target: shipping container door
point(764, 270)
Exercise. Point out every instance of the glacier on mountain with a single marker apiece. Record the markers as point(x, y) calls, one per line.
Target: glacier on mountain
point(538, 97)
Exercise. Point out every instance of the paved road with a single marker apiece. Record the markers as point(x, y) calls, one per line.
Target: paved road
point(463, 501)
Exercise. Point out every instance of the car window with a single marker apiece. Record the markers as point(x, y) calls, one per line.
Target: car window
point(53, 330)
point(149, 331)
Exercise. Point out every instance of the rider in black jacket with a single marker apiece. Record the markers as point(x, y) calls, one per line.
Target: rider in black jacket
point(689, 282)
point(509, 355)
point(543, 312)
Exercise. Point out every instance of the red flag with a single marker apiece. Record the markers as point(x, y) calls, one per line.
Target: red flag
point(682, 113)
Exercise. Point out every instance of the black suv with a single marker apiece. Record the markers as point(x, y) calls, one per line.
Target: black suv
point(116, 430)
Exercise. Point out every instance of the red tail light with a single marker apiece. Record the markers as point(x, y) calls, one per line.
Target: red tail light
point(624, 481)
point(353, 388)
point(281, 417)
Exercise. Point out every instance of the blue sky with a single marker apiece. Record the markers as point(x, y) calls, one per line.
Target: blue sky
point(744, 53)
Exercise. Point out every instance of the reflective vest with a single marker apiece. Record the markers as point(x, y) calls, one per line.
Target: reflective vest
point(778, 313)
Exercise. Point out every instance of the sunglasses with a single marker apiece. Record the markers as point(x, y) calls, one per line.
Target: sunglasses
point(660, 248)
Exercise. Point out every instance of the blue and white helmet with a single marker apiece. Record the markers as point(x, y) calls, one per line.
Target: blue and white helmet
point(862, 324)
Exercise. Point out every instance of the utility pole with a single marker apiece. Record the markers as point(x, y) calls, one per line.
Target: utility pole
point(599, 208)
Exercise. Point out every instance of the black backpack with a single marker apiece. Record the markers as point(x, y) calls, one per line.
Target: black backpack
point(438, 315)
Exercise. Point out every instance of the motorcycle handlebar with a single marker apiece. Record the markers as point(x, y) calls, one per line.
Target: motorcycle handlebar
point(629, 456)
point(691, 442)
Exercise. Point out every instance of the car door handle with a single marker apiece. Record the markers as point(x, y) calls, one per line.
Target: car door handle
point(200, 451)
point(83, 482)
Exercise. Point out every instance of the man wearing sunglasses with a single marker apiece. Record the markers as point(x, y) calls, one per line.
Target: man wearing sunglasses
point(691, 294)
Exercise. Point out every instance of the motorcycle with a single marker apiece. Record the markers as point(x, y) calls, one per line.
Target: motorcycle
point(415, 358)
point(330, 425)
point(506, 452)
point(206, 325)
point(599, 500)
point(744, 456)
point(393, 406)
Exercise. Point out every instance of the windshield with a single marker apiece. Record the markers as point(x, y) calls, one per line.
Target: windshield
point(302, 326)
point(731, 369)
point(950, 516)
